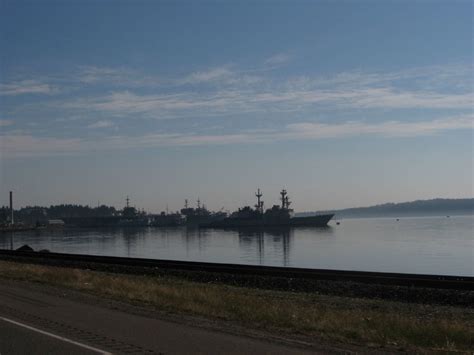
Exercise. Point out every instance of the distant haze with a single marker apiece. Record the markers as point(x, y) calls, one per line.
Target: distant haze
point(342, 103)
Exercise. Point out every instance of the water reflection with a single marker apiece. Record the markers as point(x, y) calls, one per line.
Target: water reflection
point(277, 239)
point(130, 237)
point(195, 239)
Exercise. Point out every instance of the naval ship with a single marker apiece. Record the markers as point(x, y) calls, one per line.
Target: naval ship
point(277, 216)
point(129, 217)
point(195, 217)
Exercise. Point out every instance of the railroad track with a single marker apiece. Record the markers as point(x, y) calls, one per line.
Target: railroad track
point(139, 265)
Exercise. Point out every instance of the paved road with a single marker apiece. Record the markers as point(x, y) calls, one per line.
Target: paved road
point(42, 318)
point(20, 338)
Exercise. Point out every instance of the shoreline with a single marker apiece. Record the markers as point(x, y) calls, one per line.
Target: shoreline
point(414, 288)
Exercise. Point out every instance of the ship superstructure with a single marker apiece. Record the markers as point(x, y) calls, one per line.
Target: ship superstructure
point(277, 215)
point(200, 215)
point(128, 217)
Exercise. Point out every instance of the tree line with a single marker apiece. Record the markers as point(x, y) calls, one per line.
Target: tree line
point(33, 214)
point(436, 206)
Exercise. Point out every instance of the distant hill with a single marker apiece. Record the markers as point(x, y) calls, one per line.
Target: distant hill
point(438, 206)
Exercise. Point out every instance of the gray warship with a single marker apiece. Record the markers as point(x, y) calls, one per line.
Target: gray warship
point(276, 216)
point(128, 217)
point(195, 217)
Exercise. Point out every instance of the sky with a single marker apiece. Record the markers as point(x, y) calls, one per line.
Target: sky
point(343, 103)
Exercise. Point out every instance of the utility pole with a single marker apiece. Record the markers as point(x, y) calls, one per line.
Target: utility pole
point(11, 208)
point(11, 220)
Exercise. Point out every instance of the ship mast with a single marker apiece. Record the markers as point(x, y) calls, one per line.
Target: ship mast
point(283, 199)
point(128, 202)
point(285, 202)
point(259, 204)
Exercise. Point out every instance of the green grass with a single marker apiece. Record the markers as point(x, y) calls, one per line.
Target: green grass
point(310, 316)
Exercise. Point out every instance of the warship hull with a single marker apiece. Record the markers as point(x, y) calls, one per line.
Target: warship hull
point(312, 221)
point(113, 221)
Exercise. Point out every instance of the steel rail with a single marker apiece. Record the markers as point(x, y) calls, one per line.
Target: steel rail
point(401, 279)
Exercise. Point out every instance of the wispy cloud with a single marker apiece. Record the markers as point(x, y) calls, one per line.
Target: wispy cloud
point(369, 98)
point(18, 145)
point(93, 75)
point(26, 87)
point(101, 124)
point(434, 77)
point(240, 101)
point(386, 129)
point(25, 145)
point(221, 93)
point(4, 123)
point(127, 103)
point(213, 74)
point(219, 75)
point(278, 59)
point(224, 91)
point(77, 79)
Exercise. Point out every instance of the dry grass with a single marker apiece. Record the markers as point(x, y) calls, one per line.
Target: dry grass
point(378, 323)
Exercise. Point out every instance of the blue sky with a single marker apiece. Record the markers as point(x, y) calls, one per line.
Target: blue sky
point(343, 103)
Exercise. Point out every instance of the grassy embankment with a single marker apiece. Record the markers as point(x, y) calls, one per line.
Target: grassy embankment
point(309, 316)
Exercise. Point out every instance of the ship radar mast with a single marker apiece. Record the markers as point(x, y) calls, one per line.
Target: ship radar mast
point(259, 205)
point(186, 203)
point(129, 211)
point(285, 202)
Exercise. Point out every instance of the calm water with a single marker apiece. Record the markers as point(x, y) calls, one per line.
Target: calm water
point(432, 245)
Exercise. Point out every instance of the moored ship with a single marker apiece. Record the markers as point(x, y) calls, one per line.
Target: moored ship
point(195, 217)
point(129, 217)
point(277, 216)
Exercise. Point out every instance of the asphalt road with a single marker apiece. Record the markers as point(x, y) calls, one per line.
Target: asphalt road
point(37, 321)
point(19, 338)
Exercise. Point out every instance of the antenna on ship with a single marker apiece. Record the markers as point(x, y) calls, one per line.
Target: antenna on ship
point(199, 203)
point(128, 202)
point(283, 198)
point(186, 203)
point(259, 204)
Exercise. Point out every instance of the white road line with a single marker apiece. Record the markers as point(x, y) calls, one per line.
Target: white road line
point(56, 336)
